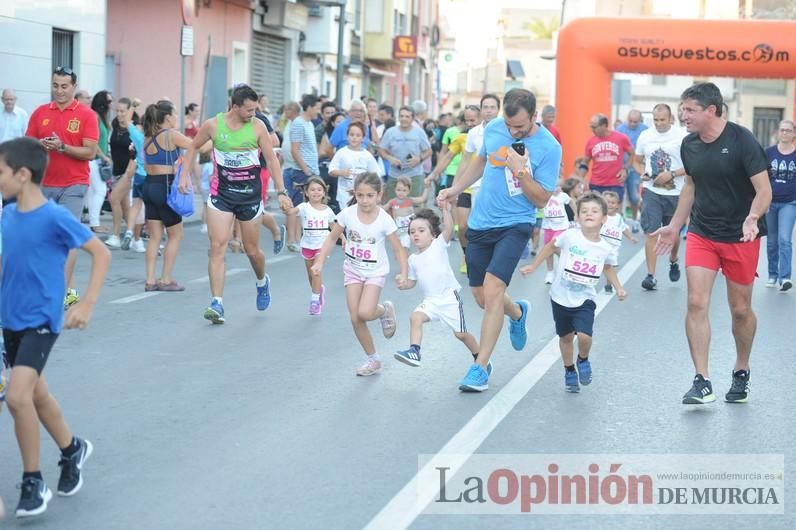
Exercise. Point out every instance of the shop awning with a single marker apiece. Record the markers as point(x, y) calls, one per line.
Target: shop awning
point(514, 69)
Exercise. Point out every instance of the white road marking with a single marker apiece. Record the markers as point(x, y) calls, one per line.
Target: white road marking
point(413, 498)
point(135, 297)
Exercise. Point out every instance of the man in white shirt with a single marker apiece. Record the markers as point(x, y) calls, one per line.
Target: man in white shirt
point(13, 119)
point(658, 160)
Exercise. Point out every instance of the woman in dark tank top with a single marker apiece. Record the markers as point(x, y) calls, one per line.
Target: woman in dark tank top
point(161, 152)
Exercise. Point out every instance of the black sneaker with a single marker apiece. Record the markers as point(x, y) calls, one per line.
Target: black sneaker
point(739, 391)
point(649, 283)
point(701, 392)
point(609, 288)
point(71, 479)
point(786, 285)
point(33, 498)
point(674, 271)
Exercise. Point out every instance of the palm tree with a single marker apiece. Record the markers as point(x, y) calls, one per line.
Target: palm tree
point(541, 29)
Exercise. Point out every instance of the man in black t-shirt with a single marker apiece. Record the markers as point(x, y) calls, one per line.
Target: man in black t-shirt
point(726, 193)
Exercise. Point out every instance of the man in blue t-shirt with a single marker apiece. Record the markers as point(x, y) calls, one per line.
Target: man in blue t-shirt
point(632, 129)
point(516, 179)
point(38, 236)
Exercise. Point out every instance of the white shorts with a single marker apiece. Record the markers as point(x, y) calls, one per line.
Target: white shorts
point(448, 310)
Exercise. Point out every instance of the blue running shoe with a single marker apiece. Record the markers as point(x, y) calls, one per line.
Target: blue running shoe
point(584, 371)
point(571, 381)
point(517, 331)
point(264, 295)
point(476, 380)
point(215, 313)
point(410, 357)
point(489, 366)
point(279, 245)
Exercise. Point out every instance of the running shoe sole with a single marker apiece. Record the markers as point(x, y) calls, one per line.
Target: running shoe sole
point(731, 400)
point(213, 316)
point(699, 401)
point(473, 388)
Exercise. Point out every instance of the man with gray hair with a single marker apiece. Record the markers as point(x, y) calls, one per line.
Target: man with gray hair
point(548, 119)
point(13, 119)
point(83, 97)
point(420, 109)
point(633, 129)
point(357, 113)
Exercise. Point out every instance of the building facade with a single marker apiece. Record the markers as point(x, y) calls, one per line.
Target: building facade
point(34, 41)
point(144, 56)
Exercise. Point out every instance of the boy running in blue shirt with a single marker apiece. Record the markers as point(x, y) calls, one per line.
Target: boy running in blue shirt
point(38, 235)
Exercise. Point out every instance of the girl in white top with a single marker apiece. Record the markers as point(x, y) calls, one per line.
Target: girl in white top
point(431, 269)
point(350, 162)
point(402, 207)
point(585, 256)
point(366, 225)
point(316, 223)
point(615, 227)
point(558, 216)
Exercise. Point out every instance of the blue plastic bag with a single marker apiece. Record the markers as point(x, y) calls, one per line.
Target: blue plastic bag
point(181, 203)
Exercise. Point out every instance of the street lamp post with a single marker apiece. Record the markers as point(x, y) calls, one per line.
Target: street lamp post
point(340, 39)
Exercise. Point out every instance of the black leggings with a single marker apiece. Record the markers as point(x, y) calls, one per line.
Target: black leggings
point(156, 189)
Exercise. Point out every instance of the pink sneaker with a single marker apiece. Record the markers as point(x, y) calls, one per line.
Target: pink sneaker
point(388, 320)
point(371, 367)
point(315, 307)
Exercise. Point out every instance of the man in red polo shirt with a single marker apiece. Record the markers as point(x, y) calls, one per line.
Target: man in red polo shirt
point(606, 150)
point(69, 131)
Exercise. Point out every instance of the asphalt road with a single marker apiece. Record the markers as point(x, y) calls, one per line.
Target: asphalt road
point(261, 422)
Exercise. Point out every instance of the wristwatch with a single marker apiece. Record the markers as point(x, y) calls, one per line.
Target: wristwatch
point(62, 148)
point(522, 173)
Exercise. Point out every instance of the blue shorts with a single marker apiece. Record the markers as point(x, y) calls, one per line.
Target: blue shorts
point(632, 184)
point(294, 184)
point(496, 251)
point(574, 319)
point(619, 190)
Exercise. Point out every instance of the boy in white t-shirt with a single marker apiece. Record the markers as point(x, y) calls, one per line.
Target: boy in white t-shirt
point(615, 227)
point(585, 256)
point(430, 268)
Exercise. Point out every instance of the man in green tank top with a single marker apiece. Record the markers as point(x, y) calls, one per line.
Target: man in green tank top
point(236, 191)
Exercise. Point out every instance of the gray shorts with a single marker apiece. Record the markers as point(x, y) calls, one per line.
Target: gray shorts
point(657, 211)
point(70, 197)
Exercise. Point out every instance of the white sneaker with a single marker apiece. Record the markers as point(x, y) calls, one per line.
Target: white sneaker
point(203, 230)
point(771, 282)
point(548, 278)
point(113, 241)
point(138, 246)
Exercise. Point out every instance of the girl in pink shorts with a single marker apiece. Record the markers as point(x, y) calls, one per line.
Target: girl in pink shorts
point(316, 222)
point(366, 226)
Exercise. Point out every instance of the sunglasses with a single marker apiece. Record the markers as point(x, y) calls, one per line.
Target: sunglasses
point(473, 107)
point(63, 70)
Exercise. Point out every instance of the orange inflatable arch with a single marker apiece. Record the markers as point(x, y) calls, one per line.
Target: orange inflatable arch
point(591, 49)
